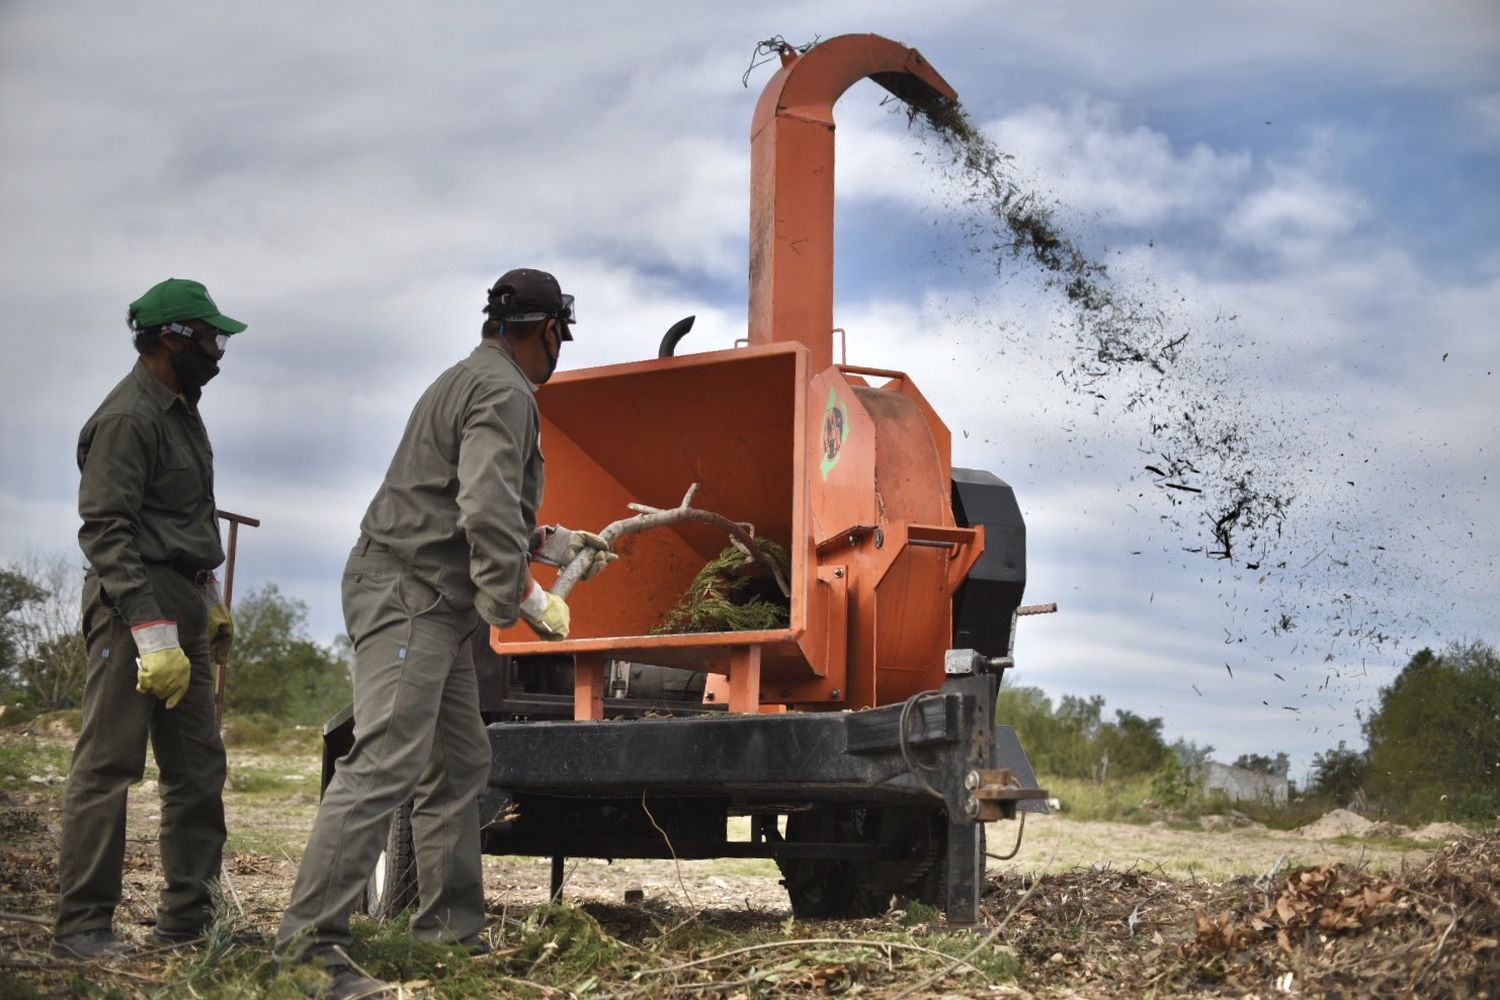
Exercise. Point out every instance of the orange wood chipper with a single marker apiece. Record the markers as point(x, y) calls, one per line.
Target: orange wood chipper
point(859, 739)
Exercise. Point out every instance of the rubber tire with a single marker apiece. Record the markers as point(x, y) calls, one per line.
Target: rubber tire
point(392, 886)
point(932, 887)
point(830, 888)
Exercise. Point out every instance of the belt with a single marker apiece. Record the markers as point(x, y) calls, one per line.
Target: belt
point(200, 577)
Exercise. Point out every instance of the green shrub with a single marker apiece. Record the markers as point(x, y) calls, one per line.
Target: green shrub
point(1119, 800)
point(257, 730)
point(22, 756)
point(1175, 785)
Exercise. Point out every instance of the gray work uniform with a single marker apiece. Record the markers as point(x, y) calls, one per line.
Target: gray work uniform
point(445, 544)
point(151, 538)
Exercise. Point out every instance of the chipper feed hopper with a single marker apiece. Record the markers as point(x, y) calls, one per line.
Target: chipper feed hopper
point(859, 740)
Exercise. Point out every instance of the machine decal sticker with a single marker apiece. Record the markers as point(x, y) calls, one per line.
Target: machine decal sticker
point(835, 432)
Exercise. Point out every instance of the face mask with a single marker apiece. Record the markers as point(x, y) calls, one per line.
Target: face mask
point(552, 357)
point(193, 367)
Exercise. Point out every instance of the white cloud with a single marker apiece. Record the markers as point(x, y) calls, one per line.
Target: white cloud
point(1082, 158)
point(1484, 111)
point(1097, 163)
point(1296, 216)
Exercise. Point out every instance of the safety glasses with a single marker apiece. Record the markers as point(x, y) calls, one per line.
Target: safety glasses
point(215, 342)
point(567, 313)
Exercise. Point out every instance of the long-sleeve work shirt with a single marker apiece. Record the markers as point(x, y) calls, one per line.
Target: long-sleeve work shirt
point(459, 500)
point(146, 492)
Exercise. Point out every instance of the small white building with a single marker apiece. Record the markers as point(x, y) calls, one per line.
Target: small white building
point(1240, 785)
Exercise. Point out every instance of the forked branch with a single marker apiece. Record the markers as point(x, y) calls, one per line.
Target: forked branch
point(647, 518)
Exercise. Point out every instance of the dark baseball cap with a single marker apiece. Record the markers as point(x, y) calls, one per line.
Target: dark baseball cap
point(178, 299)
point(526, 295)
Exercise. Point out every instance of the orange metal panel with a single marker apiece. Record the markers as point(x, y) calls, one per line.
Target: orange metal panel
point(913, 623)
point(781, 655)
point(840, 458)
point(731, 421)
point(880, 504)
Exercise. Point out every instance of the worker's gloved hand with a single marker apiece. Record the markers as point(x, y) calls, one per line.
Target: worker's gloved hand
point(164, 668)
point(547, 614)
point(220, 624)
point(560, 546)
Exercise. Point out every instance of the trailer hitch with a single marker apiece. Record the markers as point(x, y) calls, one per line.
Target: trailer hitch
point(998, 793)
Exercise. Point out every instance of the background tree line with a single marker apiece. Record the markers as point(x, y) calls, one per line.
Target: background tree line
point(1433, 744)
point(1074, 741)
point(1432, 741)
point(277, 675)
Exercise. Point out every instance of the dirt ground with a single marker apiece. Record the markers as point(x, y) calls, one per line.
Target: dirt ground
point(1089, 908)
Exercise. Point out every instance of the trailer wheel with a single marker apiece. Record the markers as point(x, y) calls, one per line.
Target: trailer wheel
point(828, 888)
point(392, 886)
point(930, 885)
point(831, 888)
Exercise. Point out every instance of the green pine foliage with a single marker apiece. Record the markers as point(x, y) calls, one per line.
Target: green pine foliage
point(732, 593)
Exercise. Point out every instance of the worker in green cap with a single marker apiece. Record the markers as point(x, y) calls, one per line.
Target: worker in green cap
point(153, 621)
point(446, 544)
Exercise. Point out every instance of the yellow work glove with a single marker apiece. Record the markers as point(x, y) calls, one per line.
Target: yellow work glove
point(220, 624)
point(560, 546)
point(547, 614)
point(163, 668)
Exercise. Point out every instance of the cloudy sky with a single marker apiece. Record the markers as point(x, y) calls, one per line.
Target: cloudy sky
point(1312, 196)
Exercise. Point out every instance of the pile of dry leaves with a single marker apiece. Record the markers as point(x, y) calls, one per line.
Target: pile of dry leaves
point(1324, 931)
point(1333, 930)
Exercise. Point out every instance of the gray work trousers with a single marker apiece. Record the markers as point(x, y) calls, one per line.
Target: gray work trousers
point(417, 735)
point(111, 756)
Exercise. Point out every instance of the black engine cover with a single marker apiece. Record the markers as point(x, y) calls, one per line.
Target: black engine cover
point(984, 607)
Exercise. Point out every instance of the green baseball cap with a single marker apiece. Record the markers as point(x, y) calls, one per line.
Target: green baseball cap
point(178, 299)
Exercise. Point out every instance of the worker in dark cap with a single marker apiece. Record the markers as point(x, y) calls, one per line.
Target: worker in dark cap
point(153, 622)
point(445, 545)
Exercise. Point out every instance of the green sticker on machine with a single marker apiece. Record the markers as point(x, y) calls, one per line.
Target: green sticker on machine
point(835, 432)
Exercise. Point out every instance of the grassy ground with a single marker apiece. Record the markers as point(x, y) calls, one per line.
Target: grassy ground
point(1089, 908)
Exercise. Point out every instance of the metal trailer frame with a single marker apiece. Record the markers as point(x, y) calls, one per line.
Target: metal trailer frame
point(932, 770)
point(663, 788)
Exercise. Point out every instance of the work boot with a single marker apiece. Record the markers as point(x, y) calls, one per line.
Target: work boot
point(475, 946)
point(159, 938)
point(348, 981)
point(89, 945)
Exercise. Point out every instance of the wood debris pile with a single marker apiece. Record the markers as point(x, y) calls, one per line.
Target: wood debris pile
point(1311, 901)
point(1333, 930)
point(1329, 930)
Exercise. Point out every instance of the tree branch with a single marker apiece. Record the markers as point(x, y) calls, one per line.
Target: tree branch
point(647, 518)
